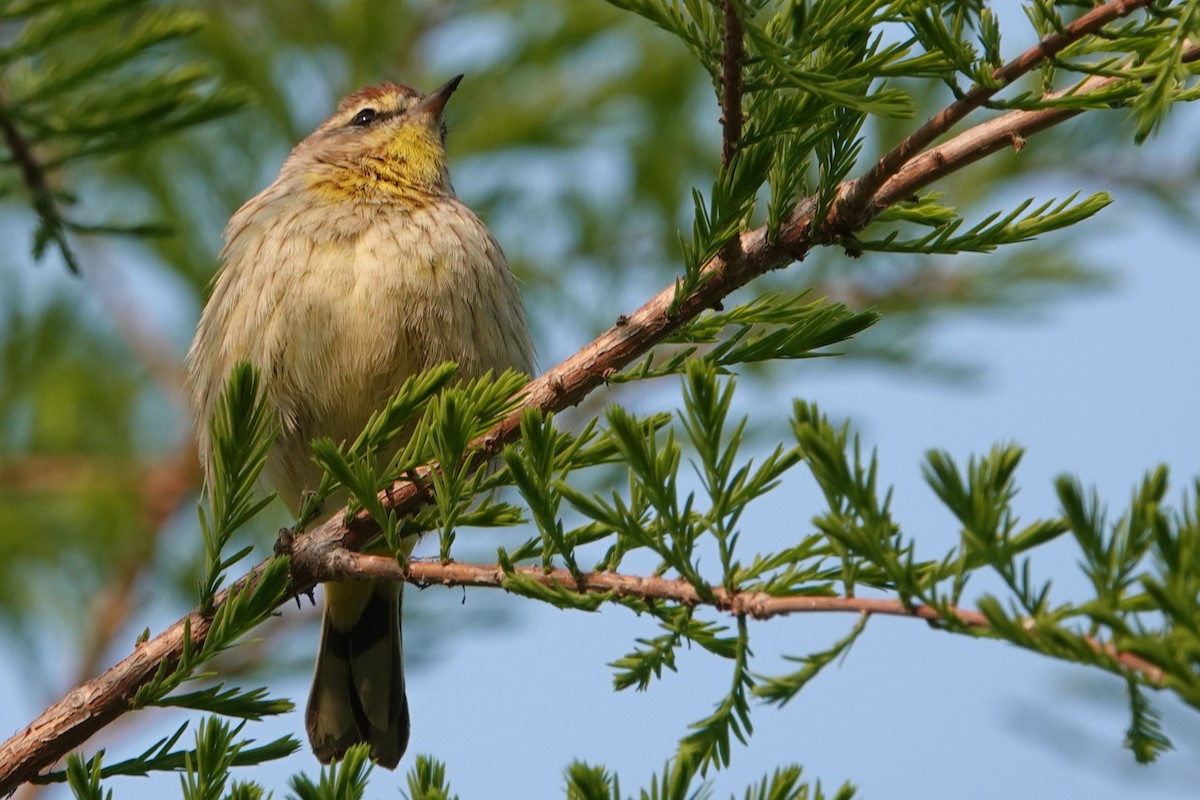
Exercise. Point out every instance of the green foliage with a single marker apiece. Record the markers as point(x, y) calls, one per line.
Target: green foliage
point(427, 781)
point(766, 328)
point(254, 704)
point(355, 466)
point(452, 419)
point(655, 517)
point(78, 101)
point(678, 782)
point(1112, 558)
point(779, 690)
point(1164, 68)
point(205, 769)
point(784, 784)
point(646, 664)
point(587, 782)
point(981, 500)
point(993, 231)
point(532, 467)
point(342, 780)
point(241, 430)
point(243, 609)
point(452, 423)
point(858, 544)
point(1144, 737)
point(709, 743)
point(858, 523)
point(84, 778)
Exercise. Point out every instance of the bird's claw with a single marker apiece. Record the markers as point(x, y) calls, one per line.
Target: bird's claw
point(283, 548)
point(284, 541)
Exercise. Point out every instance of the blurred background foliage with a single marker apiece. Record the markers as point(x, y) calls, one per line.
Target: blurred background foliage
point(577, 136)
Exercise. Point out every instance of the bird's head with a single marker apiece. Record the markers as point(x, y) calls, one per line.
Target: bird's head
point(383, 142)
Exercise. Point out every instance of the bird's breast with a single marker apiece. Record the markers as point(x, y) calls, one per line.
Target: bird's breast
point(340, 311)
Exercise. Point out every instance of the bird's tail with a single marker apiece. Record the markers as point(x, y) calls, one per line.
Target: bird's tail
point(358, 689)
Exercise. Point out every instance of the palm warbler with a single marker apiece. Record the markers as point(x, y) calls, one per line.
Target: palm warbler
point(355, 269)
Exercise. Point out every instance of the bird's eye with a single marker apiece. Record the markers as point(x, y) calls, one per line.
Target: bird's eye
point(364, 118)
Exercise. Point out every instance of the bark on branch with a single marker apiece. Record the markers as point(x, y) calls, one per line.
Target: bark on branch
point(733, 51)
point(757, 605)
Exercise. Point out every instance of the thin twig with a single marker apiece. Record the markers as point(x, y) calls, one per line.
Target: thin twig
point(758, 605)
point(733, 51)
point(856, 199)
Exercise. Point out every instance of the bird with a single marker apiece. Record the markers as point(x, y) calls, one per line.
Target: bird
point(356, 268)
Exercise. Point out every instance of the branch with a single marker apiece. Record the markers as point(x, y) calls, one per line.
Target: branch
point(90, 707)
point(732, 52)
point(758, 605)
point(857, 199)
point(93, 705)
point(1009, 130)
point(34, 177)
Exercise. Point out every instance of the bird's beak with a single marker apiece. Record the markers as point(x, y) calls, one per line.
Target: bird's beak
point(435, 101)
